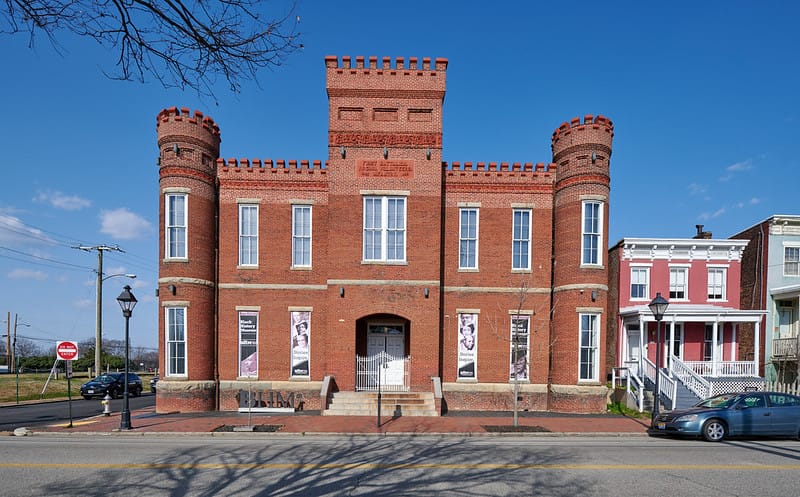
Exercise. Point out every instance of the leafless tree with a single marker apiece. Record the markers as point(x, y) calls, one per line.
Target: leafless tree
point(180, 43)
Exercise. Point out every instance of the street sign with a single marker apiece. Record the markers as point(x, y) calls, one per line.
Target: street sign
point(67, 351)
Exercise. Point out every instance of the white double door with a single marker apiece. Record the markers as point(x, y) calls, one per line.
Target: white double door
point(392, 372)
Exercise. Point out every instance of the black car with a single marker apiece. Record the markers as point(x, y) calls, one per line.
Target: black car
point(112, 384)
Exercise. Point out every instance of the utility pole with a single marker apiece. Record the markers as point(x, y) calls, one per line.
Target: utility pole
point(98, 336)
point(8, 341)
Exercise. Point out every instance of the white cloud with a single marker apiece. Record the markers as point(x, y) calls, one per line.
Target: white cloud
point(62, 201)
point(123, 224)
point(84, 304)
point(740, 166)
point(706, 215)
point(696, 189)
point(27, 274)
point(14, 231)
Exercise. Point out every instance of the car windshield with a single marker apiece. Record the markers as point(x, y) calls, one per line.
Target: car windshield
point(718, 402)
point(104, 378)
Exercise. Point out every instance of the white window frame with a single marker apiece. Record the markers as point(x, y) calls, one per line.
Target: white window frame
point(635, 281)
point(589, 323)
point(521, 240)
point(717, 284)
point(791, 260)
point(248, 235)
point(174, 227)
point(171, 340)
point(381, 228)
point(468, 238)
point(300, 240)
point(674, 285)
point(592, 230)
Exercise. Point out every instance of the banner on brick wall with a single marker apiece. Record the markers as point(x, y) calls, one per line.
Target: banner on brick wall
point(301, 343)
point(467, 346)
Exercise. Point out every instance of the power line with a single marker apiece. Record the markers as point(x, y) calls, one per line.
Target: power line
point(47, 259)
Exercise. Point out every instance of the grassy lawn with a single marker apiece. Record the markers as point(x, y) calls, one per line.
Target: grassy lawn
point(31, 385)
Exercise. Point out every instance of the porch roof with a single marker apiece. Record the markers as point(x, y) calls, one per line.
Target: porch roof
point(785, 291)
point(694, 313)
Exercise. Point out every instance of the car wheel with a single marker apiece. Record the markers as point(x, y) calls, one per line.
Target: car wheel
point(137, 391)
point(112, 393)
point(714, 430)
point(87, 397)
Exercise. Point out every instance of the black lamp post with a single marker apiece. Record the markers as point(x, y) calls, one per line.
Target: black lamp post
point(127, 301)
point(658, 307)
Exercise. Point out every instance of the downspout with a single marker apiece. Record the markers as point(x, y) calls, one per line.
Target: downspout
point(217, 393)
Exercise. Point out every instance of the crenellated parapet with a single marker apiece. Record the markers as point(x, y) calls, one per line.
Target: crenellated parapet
point(489, 176)
point(595, 132)
point(188, 143)
point(183, 115)
point(280, 170)
point(414, 64)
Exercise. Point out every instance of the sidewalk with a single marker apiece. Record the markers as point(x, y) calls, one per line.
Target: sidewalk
point(146, 421)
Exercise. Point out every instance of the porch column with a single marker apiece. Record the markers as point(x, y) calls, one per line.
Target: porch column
point(734, 348)
point(757, 346)
point(642, 347)
point(671, 345)
point(714, 353)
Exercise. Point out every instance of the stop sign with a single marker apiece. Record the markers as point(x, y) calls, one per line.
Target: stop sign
point(67, 351)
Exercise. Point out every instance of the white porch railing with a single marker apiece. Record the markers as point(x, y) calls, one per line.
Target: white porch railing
point(722, 368)
point(383, 372)
point(668, 386)
point(784, 347)
point(634, 386)
point(693, 381)
point(790, 388)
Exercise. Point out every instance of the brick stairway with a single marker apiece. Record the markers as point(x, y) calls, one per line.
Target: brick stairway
point(392, 404)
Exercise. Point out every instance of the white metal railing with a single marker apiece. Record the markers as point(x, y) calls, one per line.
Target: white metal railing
point(667, 386)
point(634, 386)
point(722, 368)
point(693, 381)
point(784, 347)
point(383, 372)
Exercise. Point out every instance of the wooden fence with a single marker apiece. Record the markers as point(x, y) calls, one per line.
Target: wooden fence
point(791, 388)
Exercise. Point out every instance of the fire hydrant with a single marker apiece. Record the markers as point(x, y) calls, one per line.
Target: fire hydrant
point(106, 405)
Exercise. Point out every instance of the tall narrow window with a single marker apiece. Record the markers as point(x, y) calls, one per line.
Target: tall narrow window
point(708, 343)
point(301, 236)
point(592, 237)
point(248, 235)
point(716, 283)
point(176, 341)
point(677, 282)
point(468, 239)
point(791, 261)
point(176, 226)
point(639, 281)
point(248, 344)
point(521, 240)
point(589, 351)
point(384, 229)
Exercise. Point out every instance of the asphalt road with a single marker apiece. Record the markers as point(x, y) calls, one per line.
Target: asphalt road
point(274, 464)
point(30, 415)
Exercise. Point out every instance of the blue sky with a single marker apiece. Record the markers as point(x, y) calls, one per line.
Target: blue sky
point(703, 96)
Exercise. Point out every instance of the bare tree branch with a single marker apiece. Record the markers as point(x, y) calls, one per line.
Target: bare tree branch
point(183, 44)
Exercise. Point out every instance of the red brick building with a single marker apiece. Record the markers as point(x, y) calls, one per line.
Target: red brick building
point(296, 278)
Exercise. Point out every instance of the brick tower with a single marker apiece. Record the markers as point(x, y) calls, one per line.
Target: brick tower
point(189, 147)
point(580, 268)
point(385, 142)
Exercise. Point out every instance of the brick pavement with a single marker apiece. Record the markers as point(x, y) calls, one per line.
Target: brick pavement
point(146, 421)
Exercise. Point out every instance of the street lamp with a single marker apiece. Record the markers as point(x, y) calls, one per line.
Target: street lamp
point(658, 307)
point(127, 302)
point(98, 335)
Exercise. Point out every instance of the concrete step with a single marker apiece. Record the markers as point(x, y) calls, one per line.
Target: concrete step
point(392, 403)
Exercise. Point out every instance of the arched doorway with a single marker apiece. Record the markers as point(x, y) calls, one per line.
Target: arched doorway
point(382, 362)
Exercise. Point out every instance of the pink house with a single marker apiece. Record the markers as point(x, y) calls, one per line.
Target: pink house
point(705, 348)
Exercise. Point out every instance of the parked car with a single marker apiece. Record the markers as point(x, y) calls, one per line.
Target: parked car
point(735, 415)
point(112, 384)
point(153, 382)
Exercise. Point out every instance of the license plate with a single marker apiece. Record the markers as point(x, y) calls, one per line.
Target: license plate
point(661, 426)
point(89, 391)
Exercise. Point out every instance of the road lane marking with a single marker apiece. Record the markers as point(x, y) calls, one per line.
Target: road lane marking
point(444, 466)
